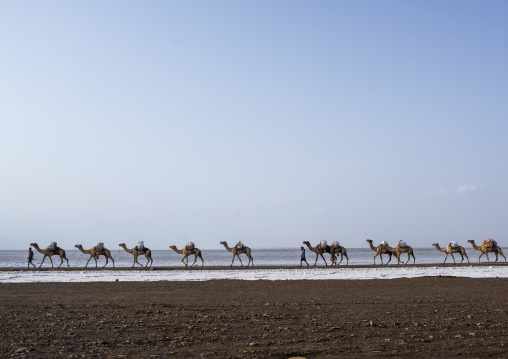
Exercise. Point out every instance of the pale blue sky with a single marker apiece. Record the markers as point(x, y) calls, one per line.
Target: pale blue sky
point(270, 122)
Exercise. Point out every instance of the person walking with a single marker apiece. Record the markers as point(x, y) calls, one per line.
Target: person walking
point(302, 258)
point(30, 257)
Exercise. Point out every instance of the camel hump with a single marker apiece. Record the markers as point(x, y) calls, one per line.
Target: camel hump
point(489, 243)
point(100, 246)
point(53, 246)
point(453, 244)
point(402, 244)
point(190, 245)
point(323, 243)
point(239, 245)
point(336, 243)
point(384, 243)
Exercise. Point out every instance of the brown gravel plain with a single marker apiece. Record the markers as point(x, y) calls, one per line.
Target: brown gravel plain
point(431, 317)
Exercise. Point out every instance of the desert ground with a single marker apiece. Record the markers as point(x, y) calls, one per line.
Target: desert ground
point(398, 318)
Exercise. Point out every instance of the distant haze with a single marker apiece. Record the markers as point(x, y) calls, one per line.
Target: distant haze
point(267, 122)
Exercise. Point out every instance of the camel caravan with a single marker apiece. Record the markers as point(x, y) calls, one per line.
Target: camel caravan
point(239, 249)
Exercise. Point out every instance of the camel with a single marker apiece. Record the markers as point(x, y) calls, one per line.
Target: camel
point(187, 252)
point(485, 250)
point(406, 249)
point(382, 249)
point(136, 252)
point(95, 253)
point(237, 251)
point(49, 253)
point(319, 250)
point(336, 250)
point(450, 250)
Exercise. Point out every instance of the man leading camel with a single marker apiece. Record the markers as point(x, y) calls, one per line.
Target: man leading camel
point(320, 249)
point(52, 250)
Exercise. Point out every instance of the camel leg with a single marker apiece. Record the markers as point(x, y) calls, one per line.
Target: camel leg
point(138, 261)
point(446, 256)
point(414, 259)
point(135, 261)
point(375, 259)
point(240, 259)
point(86, 265)
point(487, 255)
point(202, 260)
point(501, 252)
point(326, 264)
point(453, 258)
point(195, 259)
point(467, 258)
point(316, 259)
point(106, 261)
point(43, 259)
point(389, 258)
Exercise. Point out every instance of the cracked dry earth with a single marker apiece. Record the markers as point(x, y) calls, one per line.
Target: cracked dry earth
point(396, 318)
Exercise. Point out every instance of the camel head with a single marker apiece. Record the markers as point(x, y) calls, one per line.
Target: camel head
point(306, 242)
point(435, 244)
point(223, 243)
point(369, 240)
point(172, 247)
point(471, 241)
point(34, 245)
point(121, 245)
point(78, 246)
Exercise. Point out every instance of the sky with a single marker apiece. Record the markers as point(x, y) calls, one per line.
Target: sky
point(268, 122)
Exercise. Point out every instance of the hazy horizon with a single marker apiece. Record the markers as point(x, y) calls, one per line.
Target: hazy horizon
point(271, 123)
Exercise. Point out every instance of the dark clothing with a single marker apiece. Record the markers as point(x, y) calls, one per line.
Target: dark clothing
point(302, 258)
point(30, 257)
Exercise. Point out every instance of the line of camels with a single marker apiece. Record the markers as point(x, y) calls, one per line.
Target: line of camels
point(335, 250)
